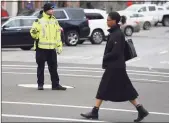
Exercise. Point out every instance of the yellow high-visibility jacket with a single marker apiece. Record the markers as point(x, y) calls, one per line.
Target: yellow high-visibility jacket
point(47, 31)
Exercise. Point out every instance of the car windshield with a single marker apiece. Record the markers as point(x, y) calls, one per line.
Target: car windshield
point(132, 8)
point(77, 14)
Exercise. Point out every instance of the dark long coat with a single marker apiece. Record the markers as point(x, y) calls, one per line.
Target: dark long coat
point(115, 84)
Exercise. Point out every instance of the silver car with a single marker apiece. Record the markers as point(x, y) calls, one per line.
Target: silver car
point(130, 27)
point(145, 21)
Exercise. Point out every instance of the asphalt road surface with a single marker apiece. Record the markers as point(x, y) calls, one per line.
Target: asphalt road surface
point(80, 71)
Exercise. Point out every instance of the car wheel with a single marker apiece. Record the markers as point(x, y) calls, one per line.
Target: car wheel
point(165, 21)
point(128, 31)
point(81, 41)
point(26, 47)
point(97, 37)
point(146, 25)
point(72, 38)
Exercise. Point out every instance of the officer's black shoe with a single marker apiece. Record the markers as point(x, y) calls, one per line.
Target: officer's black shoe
point(59, 87)
point(142, 112)
point(91, 115)
point(40, 88)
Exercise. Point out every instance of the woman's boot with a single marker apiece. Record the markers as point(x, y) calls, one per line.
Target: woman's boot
point(142, 112)
point(92, 115)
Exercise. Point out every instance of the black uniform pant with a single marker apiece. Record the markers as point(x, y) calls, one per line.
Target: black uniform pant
point(43, 55)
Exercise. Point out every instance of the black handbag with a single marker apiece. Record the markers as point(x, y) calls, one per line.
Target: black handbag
point(129, 50)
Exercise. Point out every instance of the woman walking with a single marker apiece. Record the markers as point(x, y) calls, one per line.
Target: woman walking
point(115, 85)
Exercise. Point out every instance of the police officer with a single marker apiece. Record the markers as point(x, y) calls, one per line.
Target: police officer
point(47, 34)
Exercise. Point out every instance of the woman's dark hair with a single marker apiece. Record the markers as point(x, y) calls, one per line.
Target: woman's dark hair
point(123, 19)
point(115, 16)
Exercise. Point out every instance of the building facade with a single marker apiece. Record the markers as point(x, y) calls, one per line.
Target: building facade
point(10, 7)
point(14, 7)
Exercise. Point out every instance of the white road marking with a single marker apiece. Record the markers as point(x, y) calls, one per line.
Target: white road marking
point(73, 75)
point(133, 60)
point(164, 52)
point(93, 71)
point(47, 86)
point(49, 118)
point(147, 74)
point(75, 57)
point(164, 62)
point(69, 57)
point(34, 66)
point(85, 58)
point(88, 76)
point(88, 68)
point(136, 71)
point(84, 68)
point(146, 80)
point(73, 106)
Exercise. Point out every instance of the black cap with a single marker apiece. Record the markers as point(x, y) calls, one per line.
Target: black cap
point(47, 7)
point(115, 16)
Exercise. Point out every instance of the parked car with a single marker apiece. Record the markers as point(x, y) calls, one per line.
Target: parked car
point(15, 32)
point(97, 23)
point(161, 16)
point(146, 22)
point(72, 20)
point(131, 26)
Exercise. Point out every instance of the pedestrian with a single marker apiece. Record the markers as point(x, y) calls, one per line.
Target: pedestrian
point(29, 5)
point(115, 85)
point(46, 32)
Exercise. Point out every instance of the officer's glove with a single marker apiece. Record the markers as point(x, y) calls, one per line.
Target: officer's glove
point(34, 31)
point(59, 50)
point(59, 47)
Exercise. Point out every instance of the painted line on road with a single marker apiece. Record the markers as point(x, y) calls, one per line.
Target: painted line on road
point(164, 52)
point(84, 68)
point(85, 58)
point(34, 66)
point(164, 62)
point(46, 86)
point(93, 71)
point(75, 57)
point(74, 106)
point(133, 60)
point(88, 76)
point(49, 118)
